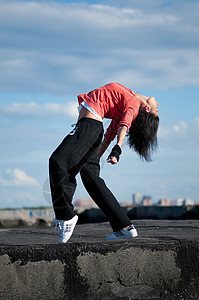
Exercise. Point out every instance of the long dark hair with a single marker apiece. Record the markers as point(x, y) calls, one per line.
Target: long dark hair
point(142, 135)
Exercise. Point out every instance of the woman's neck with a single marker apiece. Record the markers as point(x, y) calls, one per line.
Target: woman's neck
point(142, 99)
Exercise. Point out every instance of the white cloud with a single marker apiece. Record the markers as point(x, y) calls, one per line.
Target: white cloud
point(176, 129)
point(180, 135)
point(16, 178)
point(52, 47)
point(32, 108)
point(181, 127)
point(19, 198)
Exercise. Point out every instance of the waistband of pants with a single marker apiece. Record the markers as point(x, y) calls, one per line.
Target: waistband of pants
point(90, 121)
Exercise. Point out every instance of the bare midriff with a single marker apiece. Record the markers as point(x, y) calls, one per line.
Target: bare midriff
point(87, 114)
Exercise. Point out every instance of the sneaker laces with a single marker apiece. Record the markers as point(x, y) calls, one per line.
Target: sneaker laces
point(65, 227)
point(118, 233)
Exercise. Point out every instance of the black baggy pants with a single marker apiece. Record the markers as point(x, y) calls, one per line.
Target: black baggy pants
point(78, 152)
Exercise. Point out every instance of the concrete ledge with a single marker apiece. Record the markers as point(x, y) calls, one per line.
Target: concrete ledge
point(162, 263)
point(12, 218)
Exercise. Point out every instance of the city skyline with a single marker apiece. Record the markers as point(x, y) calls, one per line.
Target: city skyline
point(50, 53)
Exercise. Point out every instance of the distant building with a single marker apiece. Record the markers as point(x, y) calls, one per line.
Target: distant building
point(164, 202)
point(146, 201)
point(137, 199)
point(188, 201)
point(84, 202)
point(126, 204)
point(184, 201)
point(179, 201)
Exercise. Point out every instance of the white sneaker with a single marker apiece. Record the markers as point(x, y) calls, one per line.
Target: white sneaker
point(66, 229)
point(123, 234)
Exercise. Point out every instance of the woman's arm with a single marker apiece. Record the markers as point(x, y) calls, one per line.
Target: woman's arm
point(121, 133)
point(103, 146)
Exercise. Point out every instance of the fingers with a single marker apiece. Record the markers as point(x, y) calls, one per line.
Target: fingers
point(112, 160)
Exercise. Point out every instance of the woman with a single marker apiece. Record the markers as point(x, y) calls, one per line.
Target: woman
point(82, 148)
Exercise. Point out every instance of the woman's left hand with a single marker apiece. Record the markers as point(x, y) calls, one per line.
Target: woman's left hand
point(112, 160)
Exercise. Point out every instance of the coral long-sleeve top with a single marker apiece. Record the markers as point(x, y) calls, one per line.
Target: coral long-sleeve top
point(113, 101)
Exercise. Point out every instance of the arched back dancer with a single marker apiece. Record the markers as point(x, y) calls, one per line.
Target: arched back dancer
point(133, 114)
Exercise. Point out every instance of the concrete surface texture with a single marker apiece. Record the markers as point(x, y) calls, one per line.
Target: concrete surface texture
point(161, 263)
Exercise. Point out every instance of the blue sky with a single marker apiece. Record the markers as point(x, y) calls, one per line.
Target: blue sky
point(50, 51)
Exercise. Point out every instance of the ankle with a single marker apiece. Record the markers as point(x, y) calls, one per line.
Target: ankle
point(127, 227)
